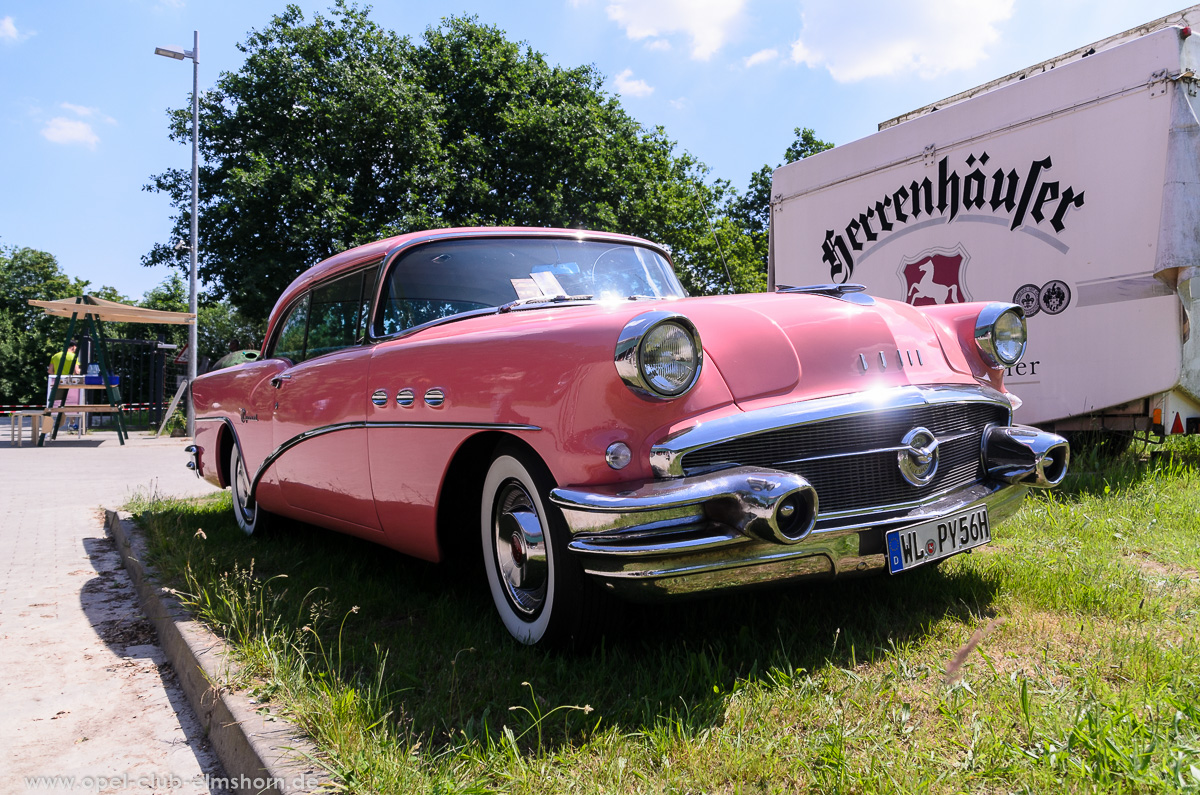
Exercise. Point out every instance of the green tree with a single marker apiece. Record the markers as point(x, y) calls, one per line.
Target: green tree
point(337, 132)
point(222, 329)
point(321, 139)
point(751, 212)
point(28, 336)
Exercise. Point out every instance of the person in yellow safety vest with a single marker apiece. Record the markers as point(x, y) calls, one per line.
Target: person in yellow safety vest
point(72, 365)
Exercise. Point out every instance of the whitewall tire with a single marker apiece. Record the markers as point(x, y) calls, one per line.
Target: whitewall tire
point(537, 587)
point(250, 518)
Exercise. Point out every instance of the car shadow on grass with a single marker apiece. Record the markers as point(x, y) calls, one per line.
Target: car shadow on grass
point(451, 674)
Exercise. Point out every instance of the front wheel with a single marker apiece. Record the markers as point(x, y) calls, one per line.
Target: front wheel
point(539, 590)
point(250, 518)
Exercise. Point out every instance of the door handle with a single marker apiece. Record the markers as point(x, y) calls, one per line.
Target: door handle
point(278, 380)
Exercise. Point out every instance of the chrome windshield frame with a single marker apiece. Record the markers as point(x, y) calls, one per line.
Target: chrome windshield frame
point(581, 236)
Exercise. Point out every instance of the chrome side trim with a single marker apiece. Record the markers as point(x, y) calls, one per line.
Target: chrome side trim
point(406, 397)
point(346, 426)
point(379, 397)
point(666, 457)
point(434, 398)
point(469, 426)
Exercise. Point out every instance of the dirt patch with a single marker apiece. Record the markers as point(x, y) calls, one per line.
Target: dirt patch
point(122, 633)
point(1157, 568)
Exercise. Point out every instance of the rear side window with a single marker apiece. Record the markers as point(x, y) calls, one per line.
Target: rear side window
point(338, 314)
point(331, 317)
point(290, 343)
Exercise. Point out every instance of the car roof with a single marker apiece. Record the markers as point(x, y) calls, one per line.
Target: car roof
point(359, 256)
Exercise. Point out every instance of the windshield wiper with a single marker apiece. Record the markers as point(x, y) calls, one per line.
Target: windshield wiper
point(541, 299)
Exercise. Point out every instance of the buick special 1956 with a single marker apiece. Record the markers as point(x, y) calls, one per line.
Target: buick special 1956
point(554, 403)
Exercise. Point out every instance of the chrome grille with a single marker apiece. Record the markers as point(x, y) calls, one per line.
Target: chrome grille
point(868, 478)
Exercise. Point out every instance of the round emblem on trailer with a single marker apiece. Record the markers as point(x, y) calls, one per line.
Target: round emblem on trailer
point(1054, 296)
point(1028, 297)
point(918, 456)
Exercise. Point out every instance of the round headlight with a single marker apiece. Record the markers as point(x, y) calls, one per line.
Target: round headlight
point(668, 359)
point(659, 355)
point(1000, 333)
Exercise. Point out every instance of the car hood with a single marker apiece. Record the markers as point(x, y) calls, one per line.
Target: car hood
point(761, 349)
point(769, 346)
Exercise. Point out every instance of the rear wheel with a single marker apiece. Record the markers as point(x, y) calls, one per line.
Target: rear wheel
point(539, 589)
point(250, 518)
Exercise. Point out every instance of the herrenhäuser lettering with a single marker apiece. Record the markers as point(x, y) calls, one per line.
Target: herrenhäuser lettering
point(1008, 193)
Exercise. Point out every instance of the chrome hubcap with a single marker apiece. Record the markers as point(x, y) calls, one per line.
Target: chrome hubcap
point(243, 489)
point(520, 545)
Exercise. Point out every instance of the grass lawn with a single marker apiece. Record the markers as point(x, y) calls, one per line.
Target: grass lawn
point(1062, 658)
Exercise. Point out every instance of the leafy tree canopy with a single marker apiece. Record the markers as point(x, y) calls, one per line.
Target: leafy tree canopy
point(28, 336)
point(752, 212)
point(336, 132)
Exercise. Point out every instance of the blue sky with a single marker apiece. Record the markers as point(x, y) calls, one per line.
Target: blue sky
point(83, 98)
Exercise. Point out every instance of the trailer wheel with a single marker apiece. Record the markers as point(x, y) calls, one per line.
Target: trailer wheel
point(1103, 445)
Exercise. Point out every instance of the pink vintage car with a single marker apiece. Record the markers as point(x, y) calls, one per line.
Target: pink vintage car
point(552, 400)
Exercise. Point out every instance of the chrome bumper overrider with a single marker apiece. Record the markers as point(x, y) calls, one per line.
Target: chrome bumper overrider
point(746, 526)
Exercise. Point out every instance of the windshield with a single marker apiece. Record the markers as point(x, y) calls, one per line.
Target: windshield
point(450, 277)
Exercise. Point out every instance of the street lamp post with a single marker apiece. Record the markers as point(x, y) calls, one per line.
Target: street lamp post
point(193, 345)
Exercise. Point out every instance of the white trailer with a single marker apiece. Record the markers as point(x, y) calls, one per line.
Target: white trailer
point(1071, 188)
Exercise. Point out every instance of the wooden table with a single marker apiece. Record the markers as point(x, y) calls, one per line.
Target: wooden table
point(38, 420)
point(84, 408)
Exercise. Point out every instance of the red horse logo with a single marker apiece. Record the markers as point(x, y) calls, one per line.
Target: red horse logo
point(935, 276)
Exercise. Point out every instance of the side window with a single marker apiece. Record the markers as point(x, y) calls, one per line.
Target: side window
point(339, 311)
point(290, 342)
point(368, 290)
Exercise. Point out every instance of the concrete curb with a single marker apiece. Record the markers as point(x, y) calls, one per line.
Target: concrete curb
point(261, 757)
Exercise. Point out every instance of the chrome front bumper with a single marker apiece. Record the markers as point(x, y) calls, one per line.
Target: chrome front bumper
point(746, 526)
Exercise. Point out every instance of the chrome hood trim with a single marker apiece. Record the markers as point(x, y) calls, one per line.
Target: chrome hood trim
point(666, 457)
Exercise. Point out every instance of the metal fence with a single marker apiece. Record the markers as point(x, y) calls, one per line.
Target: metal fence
point(149, 378)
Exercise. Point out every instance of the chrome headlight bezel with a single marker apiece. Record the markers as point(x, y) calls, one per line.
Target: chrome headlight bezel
point(628, 355)
point(996, 352)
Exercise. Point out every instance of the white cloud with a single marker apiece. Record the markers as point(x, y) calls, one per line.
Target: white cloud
point(9, 33)
point(678, 104)
point(87, 113)
point(658, 45)
point(707, 22)
point(61, 130)
point(629, 87)
point(760, 57)
point(878, 38)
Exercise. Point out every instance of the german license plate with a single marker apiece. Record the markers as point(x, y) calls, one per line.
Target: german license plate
point(923, 543)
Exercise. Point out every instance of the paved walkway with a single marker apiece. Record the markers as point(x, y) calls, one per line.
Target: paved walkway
point(85, 694)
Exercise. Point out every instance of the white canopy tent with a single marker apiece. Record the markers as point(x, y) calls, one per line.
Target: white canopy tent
point(95, 309)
